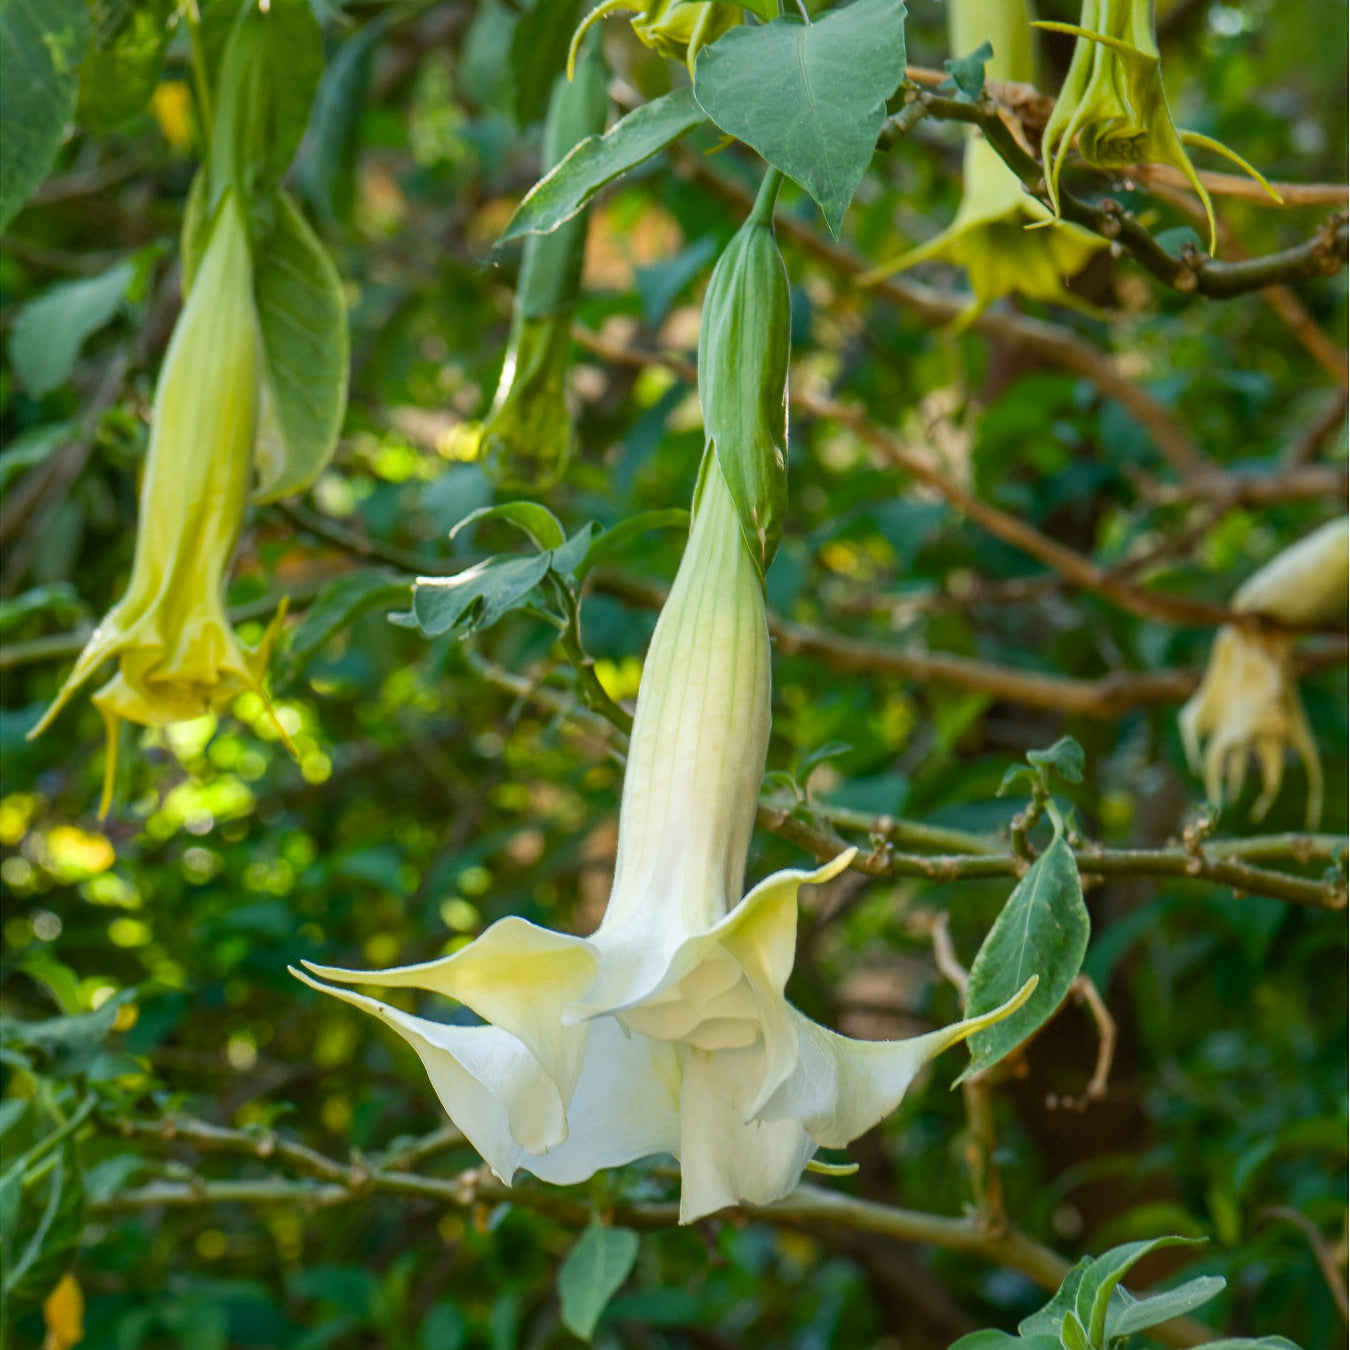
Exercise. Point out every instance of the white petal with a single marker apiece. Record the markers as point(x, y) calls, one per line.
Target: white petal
point(516, 976)
point(626, 1106)
point(488, 1082)
point(840, 1088)
point(725, 1159)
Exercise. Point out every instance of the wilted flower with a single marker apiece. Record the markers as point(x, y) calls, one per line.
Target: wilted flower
point(1114, 102)
point(990, 237)
point(667, 1030)
point(1248, 705)
point(177, 654)
point(679, 29)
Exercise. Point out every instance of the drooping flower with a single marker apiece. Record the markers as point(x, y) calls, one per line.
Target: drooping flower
point(989, 236)
point(1114, 103)
point(668, 1030)
point(177, 654)
point(526, 439)
point(1247, 705)
point(678, 29)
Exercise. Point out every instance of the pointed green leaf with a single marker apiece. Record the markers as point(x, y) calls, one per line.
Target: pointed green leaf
point(1043, 930)
point(613, 539)
point(476, 598)
point(1065, 757)
point(592, 1273)
point(42, 43)
point(598, 160)
point(48, 332)
point(1101, 1279)
point(338, 606)
point(1127, 1314)
point(1046, 1321)
point(303, 321)
point(542, 526)
point(811, 98)
point(50, 1219)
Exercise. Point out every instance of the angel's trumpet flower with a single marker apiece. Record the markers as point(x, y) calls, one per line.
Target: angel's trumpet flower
point(1247, 705)
point(1114, 103)
point(678, 29)
point(667, 1031)
point(177, 656)
point(990, 237)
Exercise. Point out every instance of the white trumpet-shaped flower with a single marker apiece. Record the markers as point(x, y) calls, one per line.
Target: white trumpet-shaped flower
point(1247, 705)
point(666, 1031)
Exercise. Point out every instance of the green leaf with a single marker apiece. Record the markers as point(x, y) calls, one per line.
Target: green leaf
point(991, 1340)
point(71, 1042)
point(303, 321)
point(1252, 1343)
point(967, 72)
point(58, 598)
point(1071, 1334)
point(1101, 1278)
point(42, 43)
point(538, 52)
point(592, 1273)
point(338, 606)
point(48, 1231)
point(808, 762)
point(1127, 1314)
point(1043, 930)
point(30, 448)
point(598, 160)
point(571, 555)
point(810, 98)
point(476, 598)
point(267, 77)
point(123, 63)
point(1065, 757)
point(326, 174)
point(613, 539)
point(536, 521)
point(1046, 1321)
point(49, 331)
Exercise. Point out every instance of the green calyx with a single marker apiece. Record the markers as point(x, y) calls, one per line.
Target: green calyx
point(743, 346)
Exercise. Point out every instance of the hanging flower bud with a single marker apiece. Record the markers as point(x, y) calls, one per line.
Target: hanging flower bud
point(526, 440)
point(667, 1031)
point(990, 237)
point(743, 340)
point(177, 654)
point(1247, 706)
point(1114, 103)
point(678, 29)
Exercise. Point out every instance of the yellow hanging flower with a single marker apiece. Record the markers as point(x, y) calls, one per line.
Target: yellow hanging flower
point(1247, 705)
point(176, 652)
point(1114, 103)
point(990, 236)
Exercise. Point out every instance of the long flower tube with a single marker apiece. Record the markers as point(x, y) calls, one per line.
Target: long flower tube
point(989, 236)
point(177, 654)
point(1247, 705)
point(667, 1031)
point(1114, 105)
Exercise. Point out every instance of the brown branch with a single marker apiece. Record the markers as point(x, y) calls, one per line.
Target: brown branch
point(1193, 273)
point(1224, 863)
point(1075, 567)
point(330, 1183)
point(1051, 342)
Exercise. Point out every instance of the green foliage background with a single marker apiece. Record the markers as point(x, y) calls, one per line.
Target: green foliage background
point(427, 801)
